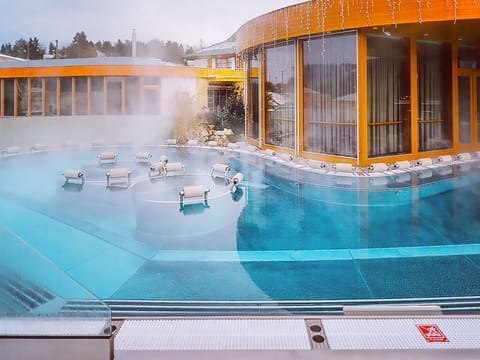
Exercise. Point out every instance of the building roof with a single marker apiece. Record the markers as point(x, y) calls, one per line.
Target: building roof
point(9, 58)
point(227, 47)
point(100, 61)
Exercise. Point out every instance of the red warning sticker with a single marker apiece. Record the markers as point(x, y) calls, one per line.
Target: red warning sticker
point(432, 333)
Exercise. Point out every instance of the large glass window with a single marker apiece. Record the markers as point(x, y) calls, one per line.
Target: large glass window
point(218, 93)
point(389, 116)
point(132, 95)
point(478, 109)
point(330, 95)
point(37, 97)
point(97, 96)
point(151, 88)
point(51, 96)
point(114, 95)
point(9, 97)
point(22, 96)
point(464, 109)
point(66, 96)
point(434, 64)
point(253, 98)
point(468, 57)
point(280, 95)
point(81, 96)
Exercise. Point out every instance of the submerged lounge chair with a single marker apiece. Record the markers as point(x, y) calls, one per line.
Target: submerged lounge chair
point(121, 173)
point(39, 147)
point(402, 165)
point(195, 193)
point(424, 162)
point(143, 156)
point(107, 157)
point(75, 175)
point(344, 168)
point(378, 167)
point(236, 180)
point(175, 168)
point(220, 170)
point(157, 167)
point(12, 150)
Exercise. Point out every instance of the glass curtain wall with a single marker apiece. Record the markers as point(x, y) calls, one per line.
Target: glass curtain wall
point(114, 95)
point(330, 95)
point(468, 57)
point(388, 77)
point(37, 98)
point(9, 97)
point(434, 66)
point(66, 96)
point(478, 109)
point(253, 72)
point(151, 91)
point(81, 96)
point(464, 112)
point(132, 95)
point(22, 97)
point(280, 95)
point(97, 95)
point(51, 96)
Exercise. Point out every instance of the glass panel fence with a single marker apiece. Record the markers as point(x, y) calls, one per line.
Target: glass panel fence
point(38, 299)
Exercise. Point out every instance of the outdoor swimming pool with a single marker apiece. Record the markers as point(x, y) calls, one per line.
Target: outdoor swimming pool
point(289, 234)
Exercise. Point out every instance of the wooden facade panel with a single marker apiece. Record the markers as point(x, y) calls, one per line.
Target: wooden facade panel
point(315, 17)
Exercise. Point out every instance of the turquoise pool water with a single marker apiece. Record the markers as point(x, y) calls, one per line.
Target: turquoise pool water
point(287, 234)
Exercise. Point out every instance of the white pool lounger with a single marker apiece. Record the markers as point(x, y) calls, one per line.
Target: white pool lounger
point(121, 173)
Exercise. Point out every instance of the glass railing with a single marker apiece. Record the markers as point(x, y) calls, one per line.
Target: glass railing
point(38, 299)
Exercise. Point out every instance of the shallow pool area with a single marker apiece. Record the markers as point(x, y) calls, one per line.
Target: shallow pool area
point(290, 233)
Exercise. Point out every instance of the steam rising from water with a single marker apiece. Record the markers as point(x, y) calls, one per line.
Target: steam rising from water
point(109, 129)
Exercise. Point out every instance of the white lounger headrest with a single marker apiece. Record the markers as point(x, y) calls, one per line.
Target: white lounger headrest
point(72, 174)
point(193, 191)
point(176, 166)
point(378, 167)
point(464, 156)
point(221, 167)
point(402, 165)
point(120, 172)
point(107, 156)
point(144, 155)
point(237, 178)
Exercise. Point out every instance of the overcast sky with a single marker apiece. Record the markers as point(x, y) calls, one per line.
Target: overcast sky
point(184, 21)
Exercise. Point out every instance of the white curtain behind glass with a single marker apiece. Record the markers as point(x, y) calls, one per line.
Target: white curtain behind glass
point(388, 95)
point(433, 81)
point(330, 95)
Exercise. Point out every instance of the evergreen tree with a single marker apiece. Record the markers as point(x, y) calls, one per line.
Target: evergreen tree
point(51, 49)
point(80, 47)
point(35, 50)
point(20, 48)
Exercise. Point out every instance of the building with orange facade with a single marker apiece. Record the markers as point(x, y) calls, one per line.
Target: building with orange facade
point(364, 81)
point(126, 94)
point(341, 81)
